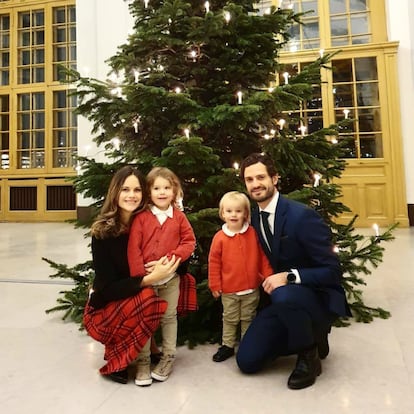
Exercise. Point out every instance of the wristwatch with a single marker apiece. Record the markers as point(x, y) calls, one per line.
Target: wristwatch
point(291, 277)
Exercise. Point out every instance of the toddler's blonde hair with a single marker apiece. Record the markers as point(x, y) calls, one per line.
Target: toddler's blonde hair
point(238, 197)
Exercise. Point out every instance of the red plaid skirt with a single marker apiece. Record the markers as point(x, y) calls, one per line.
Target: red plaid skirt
point(124, 327)
point(187, 301)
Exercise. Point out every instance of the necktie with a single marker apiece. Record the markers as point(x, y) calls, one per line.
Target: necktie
point(266, 227)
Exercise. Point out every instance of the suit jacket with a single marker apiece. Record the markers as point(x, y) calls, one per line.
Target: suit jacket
point(303, 241)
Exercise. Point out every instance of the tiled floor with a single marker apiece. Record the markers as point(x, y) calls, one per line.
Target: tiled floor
point(47, 366)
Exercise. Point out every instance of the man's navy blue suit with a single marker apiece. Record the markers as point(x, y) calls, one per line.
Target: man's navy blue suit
point(298, 313)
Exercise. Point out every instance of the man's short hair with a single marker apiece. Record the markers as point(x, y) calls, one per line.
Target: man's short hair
point(254, 159)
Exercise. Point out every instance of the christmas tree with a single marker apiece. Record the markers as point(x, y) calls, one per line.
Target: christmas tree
point(197, 87)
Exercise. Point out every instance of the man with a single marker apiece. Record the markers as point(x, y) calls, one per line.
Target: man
point(305, 291)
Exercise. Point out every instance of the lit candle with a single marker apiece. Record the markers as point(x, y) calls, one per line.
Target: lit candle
point(207, 6)
point(116, 143)
point(227, 16)
point(266, 136)
point(376, 229)
point(271, 89)
point(193, 54)
point(177, 89)
point(187, 132)
point(316, 178)
point(236, 165)
point(146, 2)
point(136, 75)
point(302, 129)
point(281, 123)
point(135, 126)
point(346, 113)
point(286, 76)
point(239, 97)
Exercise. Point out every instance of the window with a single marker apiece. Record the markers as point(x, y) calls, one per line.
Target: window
point(4, 132)
point(64, 129)
point(4, 49)
point(349, 22)
point(31, 47)
point(356, 96)
point(31, 130)
point(64, 39)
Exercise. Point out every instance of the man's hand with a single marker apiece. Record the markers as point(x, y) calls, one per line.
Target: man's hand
point(274, 281)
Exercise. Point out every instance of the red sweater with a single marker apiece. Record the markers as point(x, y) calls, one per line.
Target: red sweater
point(149, 240)
point(237, 262)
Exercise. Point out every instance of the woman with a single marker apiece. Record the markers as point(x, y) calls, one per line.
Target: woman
point(122, 312)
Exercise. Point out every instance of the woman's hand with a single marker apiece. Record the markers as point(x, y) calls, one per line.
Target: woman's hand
point(161, 269)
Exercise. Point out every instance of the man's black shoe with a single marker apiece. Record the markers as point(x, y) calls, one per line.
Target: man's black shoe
point(119, 376)
point(323, 346)
point(308, 367)
point(223, 353)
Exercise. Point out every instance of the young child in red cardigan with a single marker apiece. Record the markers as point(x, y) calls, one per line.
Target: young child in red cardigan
point(161, 230)
point(237, 266)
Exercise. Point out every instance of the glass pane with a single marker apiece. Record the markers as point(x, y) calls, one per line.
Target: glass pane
point(24, 20)
point(24, 102)
point(60, 15)
point(38, 101)
point(72, 34)
point(339, 26)
point(59, 99)
point(74, 138)
point(358, 5)
point(344, 96)
point(5, 59)
point(60, 54)
point(60, 139)
point(39, 120)
point(24, 39)
point(311, 30)
point(5, 78)
point(23, 159)
point(72, 12)
point(367, 94)
point(38, 56)
point(369, 120)
point(315, 123)
point(342, 70)
point(5, 40)
point(72, 51)
point(24, 140)
point(25, 57)
point(310, 6)
point(350, 149)
point(24, 121)
point(39, 139)
point(337, 6)
point(60, 119)
point(60, 35)
point(39, 37)
point(359, 24)
point(371, 146)
point(38, 18)
point(38, 159)
point(361, 40)
point(39, 75)
point(5, 23)
point(366, 69)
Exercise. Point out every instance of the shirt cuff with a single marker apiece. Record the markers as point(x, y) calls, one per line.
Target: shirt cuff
point(296, 272)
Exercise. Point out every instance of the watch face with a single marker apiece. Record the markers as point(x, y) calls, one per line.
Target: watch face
point(291, 277)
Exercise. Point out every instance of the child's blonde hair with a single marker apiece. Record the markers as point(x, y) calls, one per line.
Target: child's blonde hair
point(238, 197)
point(168, 175)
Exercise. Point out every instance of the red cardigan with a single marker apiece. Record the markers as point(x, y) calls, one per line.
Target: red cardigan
point(149, 240)
point(237, 262)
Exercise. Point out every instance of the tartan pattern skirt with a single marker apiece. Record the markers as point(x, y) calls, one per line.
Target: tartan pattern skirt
point(124, 327)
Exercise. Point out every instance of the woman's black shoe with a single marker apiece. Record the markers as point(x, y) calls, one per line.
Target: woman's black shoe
point(119, 376)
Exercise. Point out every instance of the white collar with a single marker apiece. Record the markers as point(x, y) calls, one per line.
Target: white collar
point(230, 233)
point(271, 207)
point(157, 212)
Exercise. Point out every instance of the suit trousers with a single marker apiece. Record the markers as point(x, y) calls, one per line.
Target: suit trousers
point(291, 323)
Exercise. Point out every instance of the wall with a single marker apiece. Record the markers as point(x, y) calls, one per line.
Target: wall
point(399, 29)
